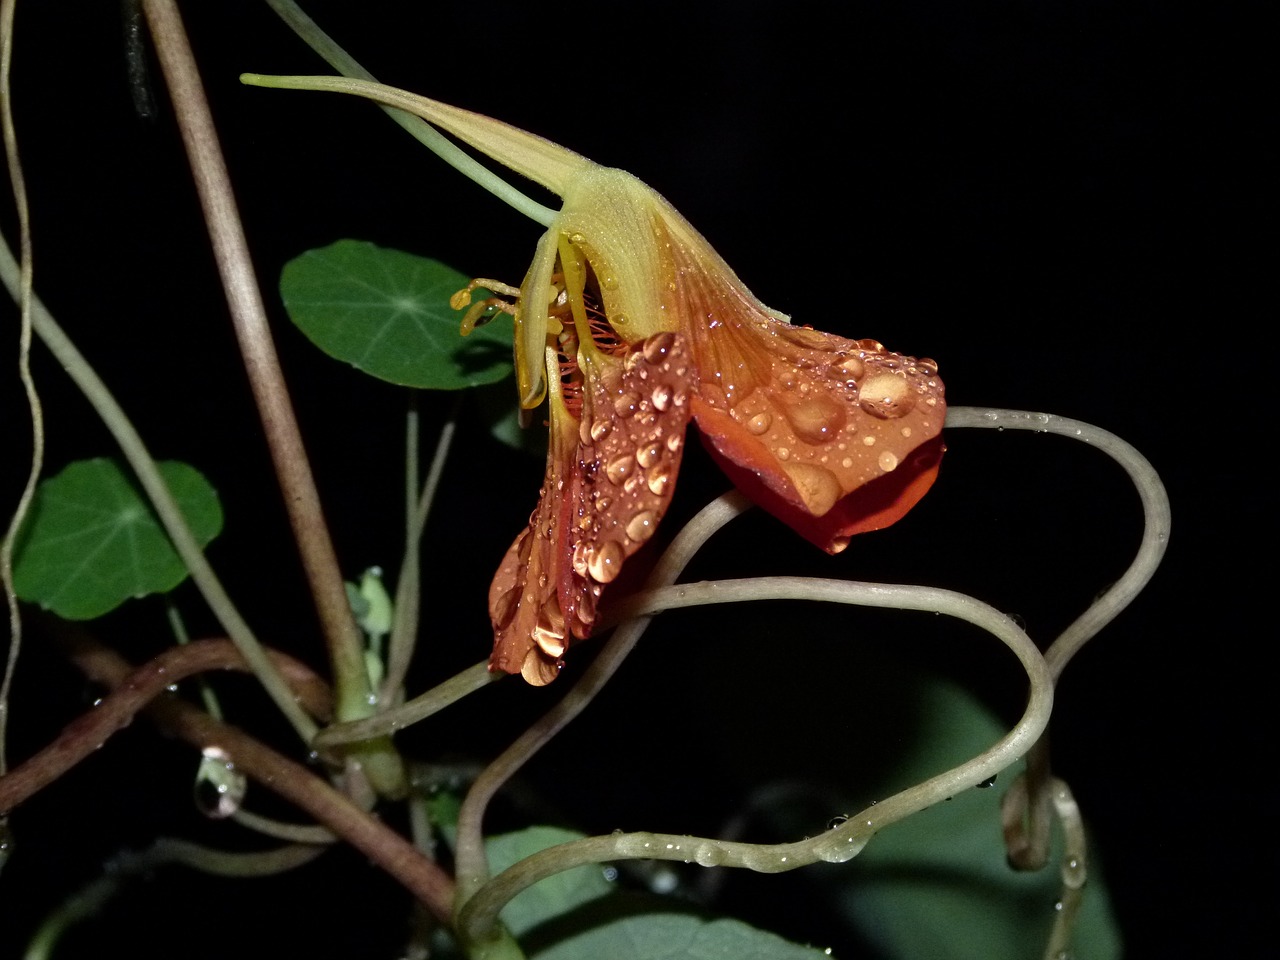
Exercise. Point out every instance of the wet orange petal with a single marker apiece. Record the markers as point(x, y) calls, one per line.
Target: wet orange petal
point(610, 476)
point(833, 436)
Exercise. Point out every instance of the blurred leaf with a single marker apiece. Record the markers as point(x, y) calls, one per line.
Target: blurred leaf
point(576, 915)
point(387, 313)
point(500, 411)
point(676, 936)
point(92, 542)
point(938, 884)
point(553, 896)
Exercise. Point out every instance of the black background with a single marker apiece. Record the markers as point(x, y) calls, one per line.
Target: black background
point(1055, 201)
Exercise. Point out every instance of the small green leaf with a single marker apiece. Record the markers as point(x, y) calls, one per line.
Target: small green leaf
point(387, 313)
point(91, 541)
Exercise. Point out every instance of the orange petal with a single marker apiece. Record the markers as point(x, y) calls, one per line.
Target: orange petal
point(610, 476)
point(833, 436)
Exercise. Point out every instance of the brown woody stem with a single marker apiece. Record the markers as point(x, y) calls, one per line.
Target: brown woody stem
point(293, 781)
point(248, 315)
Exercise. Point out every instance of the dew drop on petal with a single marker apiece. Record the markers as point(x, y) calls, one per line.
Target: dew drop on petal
point(579, 559)
point(759, 423)
point(852, 369)
point(661, 397)
point(605, 561)
point(815, 419)
point(649, 454)
point(626, 404)
point(888, 461)
point(640, 528)
point(658, 346)
point(600, 429)
point(886, 396)
point(817, 486)
point(619, 468)
point(548, 631)
point(658, 479)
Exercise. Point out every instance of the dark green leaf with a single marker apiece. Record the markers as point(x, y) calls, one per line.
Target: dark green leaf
point(938, 884)
point(387, 313)
point(619, 926)
point(675, 936)
point(553, 896)
point(92, 542)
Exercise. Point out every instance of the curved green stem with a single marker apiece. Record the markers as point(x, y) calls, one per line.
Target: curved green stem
point(407, 714)
point(479, 914)
point(1026, 807)
point(1155, 508)
point(469, 855)
point(36, 461)
point(408, 601)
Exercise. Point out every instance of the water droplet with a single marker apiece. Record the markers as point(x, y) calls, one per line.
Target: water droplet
point(648, 455)
point(815, 419)
point(886, 396)
point(887, 461)
point(618, 320)
point(783, 453)
point(837, 821)
point(548, 631)
point(219, 788)
point(760, 423)
point(661, 397)
point(675, 442)
point(579, 559)
point(659, 479)
point(852, 369)
point(604, 562)
point(600, 429)
point(609, 283)
point(641, 526)
point(626, 404)
point(619, 468)
point(658, 346)
point(818, 487)
point(708, 855)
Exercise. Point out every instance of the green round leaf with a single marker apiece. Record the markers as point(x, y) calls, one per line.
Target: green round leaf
point(387, 313)
point(91, 541)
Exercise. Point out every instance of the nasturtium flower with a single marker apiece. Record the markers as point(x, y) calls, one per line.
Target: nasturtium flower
point(630, 325)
